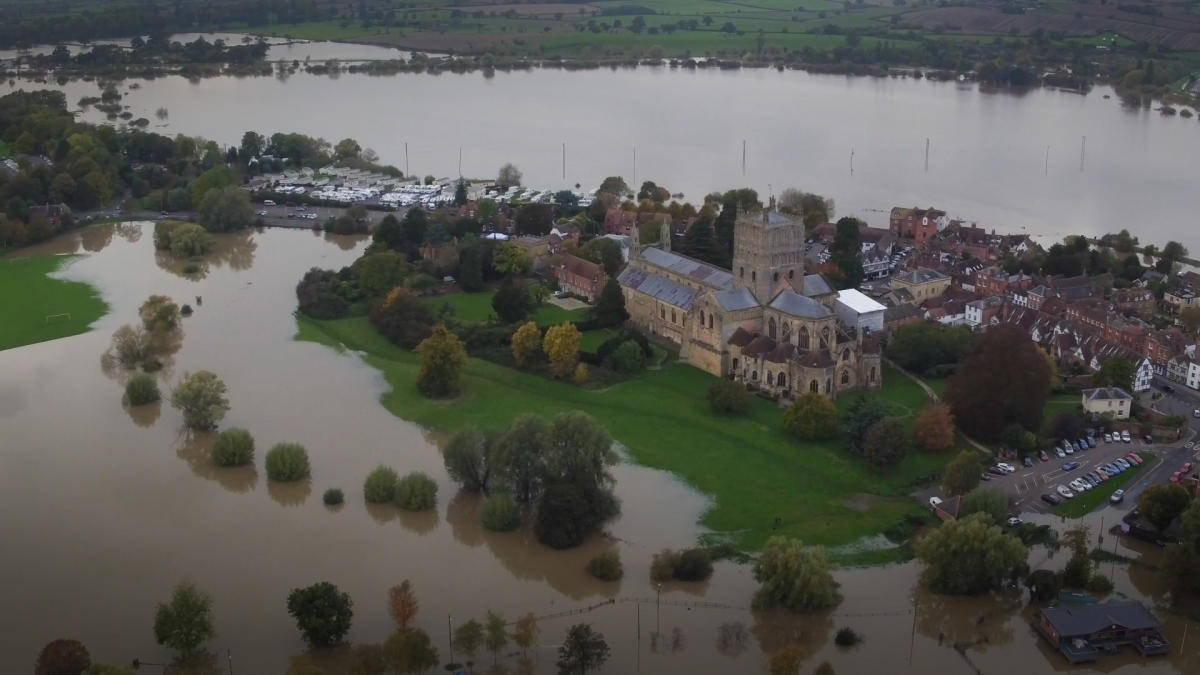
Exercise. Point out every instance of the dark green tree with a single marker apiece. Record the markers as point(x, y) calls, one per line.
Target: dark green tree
point(584, 649)
point(512, 303)
point(858, 418)
point(322, 613)
point(610, 306)
point(886, 443)
point(846, 252)
point(1004, 378)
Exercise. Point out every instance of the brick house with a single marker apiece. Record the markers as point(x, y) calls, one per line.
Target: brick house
point(1136, 300)
point(917, 224)
point(580, 277)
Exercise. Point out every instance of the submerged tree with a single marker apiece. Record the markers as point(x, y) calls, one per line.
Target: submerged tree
point(322, 613)
point(200, 396)
point(584, 649)
point(794, 576)
point(186, 621)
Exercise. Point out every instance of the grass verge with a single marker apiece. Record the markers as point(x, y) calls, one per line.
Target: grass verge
point(477, 308)
point(37, 308)
point(751, 469)
point(1087, 502)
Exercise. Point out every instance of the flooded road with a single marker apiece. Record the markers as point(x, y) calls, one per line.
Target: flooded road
point(106, 509)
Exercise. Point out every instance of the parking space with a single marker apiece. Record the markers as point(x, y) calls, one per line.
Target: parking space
point(280, 215)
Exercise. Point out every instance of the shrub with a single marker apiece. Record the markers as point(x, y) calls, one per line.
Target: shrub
point(380, 486)
point(186, 310)
point(62, 657)
point(333, 497)
point(499, 513)
point(564, 517)
point(628, 358)
point(663, 564)
point(191, 268)
point(416, 492)
point(580, 376)
point(695, 564)
point(846, 637)
point(606, 566)
point(234, 447)
point(1100, 584)
point(287, 462)
point(728, 397)
point(142, 389)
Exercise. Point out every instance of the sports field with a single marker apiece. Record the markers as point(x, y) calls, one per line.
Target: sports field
point(35, 307)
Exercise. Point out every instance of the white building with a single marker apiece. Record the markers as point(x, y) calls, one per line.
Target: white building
point(1112, 401)
point(856, 310)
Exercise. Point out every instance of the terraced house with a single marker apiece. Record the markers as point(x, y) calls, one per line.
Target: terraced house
point(765, 323)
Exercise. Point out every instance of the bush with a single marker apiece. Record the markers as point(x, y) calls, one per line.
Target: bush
point(287, 462)
point(663, 564)
point(416, 492)
point(1100, 584)
point(380, 486)
point(191, 268)
point(62, 657)
point(628, 358)
point(499, 513)
point(846, 637)
point(186, 310)
point(142, 389)
point(234, 447)
point(564, 517)
point(580, 376)
point(333, 497)
point(728, 397)
point(695, 564)
point(606, 566)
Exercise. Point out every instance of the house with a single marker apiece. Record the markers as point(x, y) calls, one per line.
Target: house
point(1180, 299)
point(979, 313)
point(995, 281)
point(917, 224)
point(856, 310)
point(901, 315)
point(923, 283)
point(1184, 370)
point(876, 239)
point(53, 214)
point(620, 221)
point(876, 264)
point(1134, 300)
point(1112, 401)
point(580, 277)
point(1081, 632)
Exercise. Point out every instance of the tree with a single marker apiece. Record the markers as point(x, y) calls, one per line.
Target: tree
point(225, 210)
point(858, 418)
point(886, 444)
point(794, 576)
point(610, 306)
point(141, 390)
point(186, 621)
point(410, 651)
point(216, 178)
point(347, 148)
point(322, 613)
point(700, 241)
point(933, 430)
point(402, 605)
point(233, 447)
point(614, 185)
point(460, 192)
point(526, 632)
point(380, 485)
point(1044, 585)
point(961, 474)
point(251, 146)
point(402, 318)
point(1190, 318)
point(1181, 561)
point(1066, 425)
point(582, 650)
point(130, 346)
point(525, 342)
point(190, 240)
point(561, 346)
point(416, 492)
point(628, 358)
point(470, 266)
point(922, 347)
point(1174, 252)
point(380, 272)
point(159, 314)
point(812, 417)
point(62, 657)
point(520, 455)
point(499, 513)
point(510, 260)
point(200, 396)
point(563, 517)
point(846, 252)
point(726, 397)
point(606, 566)
point(467, 459)
point(509, 176)
point(512, 303)
point(368, 659)
point(287, 462)
point(1078, 570)
point(495, 634)
point(786, 661)
point(1003, 379)
point(442, 357)
point(1163, 503)
point(969, 556)
point(603, 251)
point(988, 501)
point(467, 638)
point(1116, 372)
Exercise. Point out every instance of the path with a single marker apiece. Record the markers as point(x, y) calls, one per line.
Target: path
point(935, 398)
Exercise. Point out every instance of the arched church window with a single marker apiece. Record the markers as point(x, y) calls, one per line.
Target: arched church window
point(845, 377)
point(787, 331)
point(791, 274)
point(804, 342)
point(872, 373)
point(825, 337)
point(845, 354)
point(742, 272)
point(673, 316)
point(701, 317)
point(753, 275)
point(735, 365)
point(662, 312)
point(771, 328)
point(710, 320)
point(754, 375)
point(775, 276)
point(828, 386)
point(814, 387)
point(781, 380)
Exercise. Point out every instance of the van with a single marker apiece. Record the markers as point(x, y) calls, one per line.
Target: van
point(268, 202)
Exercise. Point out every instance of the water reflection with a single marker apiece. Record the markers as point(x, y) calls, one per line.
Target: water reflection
point(419, 522)
point(94, 239)
point(965, 621)
point(293, 493)
point(777, 629)
point(195, 448)
point(144, 415)
point(345, 242)
point(234, 249)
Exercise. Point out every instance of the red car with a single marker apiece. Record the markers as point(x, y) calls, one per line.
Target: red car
point(1134, 458)
point(1187, 468)
point(1175, 476)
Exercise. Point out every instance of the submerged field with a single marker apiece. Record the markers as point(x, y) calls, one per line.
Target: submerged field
point(36, 307)
point(748, 466)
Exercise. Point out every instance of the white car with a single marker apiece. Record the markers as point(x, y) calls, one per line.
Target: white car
point(1067, 494)
point(1108, 438)
point(1060, 452)
point(1125, 437)
point(1078, 485)
point(1006, 468)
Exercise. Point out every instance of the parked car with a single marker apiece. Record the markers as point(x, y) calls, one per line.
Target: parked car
point(1187, 468)
point(1100, 471)
point(1091, 442)
point(1168, 389)
point(1044, 456)
point(1070, 466)
point(1013, 521)
point(996, 470)
point(1125, 436)
point(1005, 467)
point(985, 476)
point(1059, 452)
point(1028, 461)
point(1195, 412)
point(1066, 493)
point(1135, 458)
point(1068, 449)
point(268, 202)
point(1108, 438)
point(1148, 438)
point(1123, 463)
point(1051, 499)
point(262, 213)
point(1176, 476)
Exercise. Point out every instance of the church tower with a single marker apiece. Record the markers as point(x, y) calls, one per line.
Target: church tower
point(768, 250)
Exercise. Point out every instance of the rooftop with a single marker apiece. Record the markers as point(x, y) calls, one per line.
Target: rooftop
point(920, 275)
point(859, 302)
point(790, 302)
point(1072, 620)
point(1106, 394)
point(703, 272)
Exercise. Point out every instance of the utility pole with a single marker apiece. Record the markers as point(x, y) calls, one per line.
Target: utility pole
point(1082, 146)
point(638, 658)
point(229, 657)
point(406, 171)
point(658, 610)
point(450, 635)
point(743, 157)
point(926, 154)
point(564, 162)
point(634, 167)
point(913, 637)
point(1046, 171)
point(460, 161)
point(851, 161)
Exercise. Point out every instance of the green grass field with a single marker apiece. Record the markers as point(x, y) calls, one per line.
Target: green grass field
point(477, 308)
point(1087, 502)
point(4, 151)
point(751, 469)
point(33, 305)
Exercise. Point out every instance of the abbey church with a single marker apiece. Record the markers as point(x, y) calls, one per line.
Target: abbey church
point(765, 323)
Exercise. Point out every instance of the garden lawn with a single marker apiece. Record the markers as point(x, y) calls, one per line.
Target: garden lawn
point(477, 308)
point(753, 471)
point(32, 303)
point(1087, 502)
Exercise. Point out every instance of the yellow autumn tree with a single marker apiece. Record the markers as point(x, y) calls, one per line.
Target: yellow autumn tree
point(442, 356)
point(525, 342)
point(402, 605)
point(933, 430)
point(561, 345)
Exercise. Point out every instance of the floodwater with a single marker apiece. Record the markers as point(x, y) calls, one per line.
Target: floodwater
point(1007, 160)
point(107, 508)
point(280, 49)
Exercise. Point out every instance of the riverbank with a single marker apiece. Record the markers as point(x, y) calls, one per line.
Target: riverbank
point(753, 472)
point(38, 307)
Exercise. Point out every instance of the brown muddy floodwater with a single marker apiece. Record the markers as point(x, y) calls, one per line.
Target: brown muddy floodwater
point(104, 511)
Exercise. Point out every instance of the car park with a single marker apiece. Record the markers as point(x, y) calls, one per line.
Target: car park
point(1117, 497)
point(1065, 492)
point(1051, 499)
point(1070, 466)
